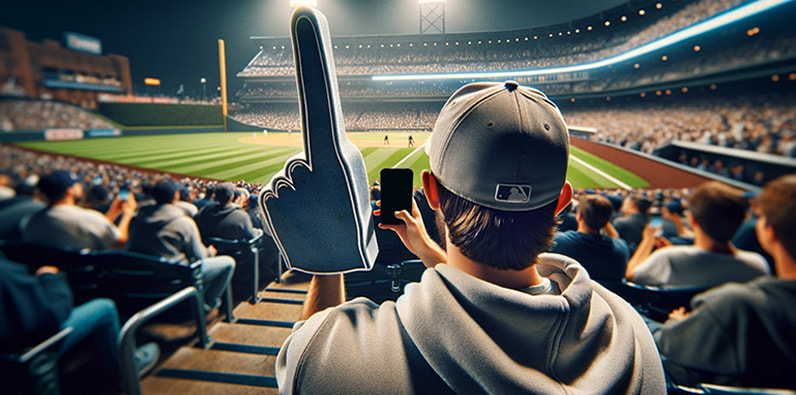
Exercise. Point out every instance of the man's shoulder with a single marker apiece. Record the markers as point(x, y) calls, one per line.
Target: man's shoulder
point(732, 296)
point(568, 236)
point(672, 252)
point(67, 214)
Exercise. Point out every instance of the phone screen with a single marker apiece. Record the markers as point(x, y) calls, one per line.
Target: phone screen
point(396, 194)
point(124, 194)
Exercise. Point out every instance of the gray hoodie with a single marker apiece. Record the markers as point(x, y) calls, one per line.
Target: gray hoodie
point(165, 230)
point(476, 337)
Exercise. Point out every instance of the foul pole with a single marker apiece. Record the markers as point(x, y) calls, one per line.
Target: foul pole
point(222, 65)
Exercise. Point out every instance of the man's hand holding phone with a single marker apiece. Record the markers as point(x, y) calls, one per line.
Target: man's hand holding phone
point(396, 204)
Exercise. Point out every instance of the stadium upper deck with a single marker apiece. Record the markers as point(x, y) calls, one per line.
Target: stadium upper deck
point(763, 42)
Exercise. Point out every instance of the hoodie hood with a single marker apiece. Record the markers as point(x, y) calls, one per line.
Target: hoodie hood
point(158, 215)
point(480, 337)
point(165, 230)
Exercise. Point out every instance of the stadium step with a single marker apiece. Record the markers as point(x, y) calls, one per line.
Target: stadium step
point(242, 356)
point(250, 335)
point(168, 385)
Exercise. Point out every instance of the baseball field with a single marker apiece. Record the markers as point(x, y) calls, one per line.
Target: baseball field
point(255, 157)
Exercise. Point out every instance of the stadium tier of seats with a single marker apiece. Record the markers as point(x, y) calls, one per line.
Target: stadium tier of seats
point(489, 51)
point(38, 114)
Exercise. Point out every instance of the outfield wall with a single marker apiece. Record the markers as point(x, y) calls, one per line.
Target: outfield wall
point(660, 173)
point(157, 114)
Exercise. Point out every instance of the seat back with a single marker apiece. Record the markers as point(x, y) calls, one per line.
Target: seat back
point(79, 271)
point(657, 302)
point(246, 279)
point(34, 370)
point(135, 280)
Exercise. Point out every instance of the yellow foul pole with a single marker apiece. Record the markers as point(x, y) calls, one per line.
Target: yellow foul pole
point(222, 64)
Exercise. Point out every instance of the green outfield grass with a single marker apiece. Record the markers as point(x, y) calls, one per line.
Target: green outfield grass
point(223, 156)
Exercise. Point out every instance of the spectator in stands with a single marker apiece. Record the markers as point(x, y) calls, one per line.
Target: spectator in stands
point(635, 210)
point(6, 192)
point(673, 227)
point(746, 236)
point(22, 205)
point(98, 198)
point(225, 219)
point(37, 306)
point(255, 214)
point(185, 202)
point(493, 296)
point(603, 256)
point(744, 334)
point(66, 225)
point(715, 213)
point(567, 219)
point(164, 230)
point(205, 199)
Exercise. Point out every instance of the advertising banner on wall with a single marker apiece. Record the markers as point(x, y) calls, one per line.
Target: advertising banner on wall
point(63, 134)
point(83, 43)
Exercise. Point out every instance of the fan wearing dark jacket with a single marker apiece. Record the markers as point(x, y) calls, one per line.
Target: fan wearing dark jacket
point(226, 219)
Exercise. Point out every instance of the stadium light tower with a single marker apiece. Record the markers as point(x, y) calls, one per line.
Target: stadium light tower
point(204, 87)
point(432, 16)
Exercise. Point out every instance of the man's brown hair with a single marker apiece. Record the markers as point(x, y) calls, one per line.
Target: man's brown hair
point(500, 239)
point(777, 203)
point(718, 209)
point(596, 210)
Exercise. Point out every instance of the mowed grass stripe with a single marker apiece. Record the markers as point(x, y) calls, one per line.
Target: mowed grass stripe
point(200, 158)
point(386, 158)
point(256, 167)
point(615, 171)
point(211, 168)
point(173, 156)
point(261, 175)
point(582, 177)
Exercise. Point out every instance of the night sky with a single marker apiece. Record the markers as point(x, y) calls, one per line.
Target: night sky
point(176, 40)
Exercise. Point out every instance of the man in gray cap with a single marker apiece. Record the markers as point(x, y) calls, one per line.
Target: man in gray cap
point(493, 313)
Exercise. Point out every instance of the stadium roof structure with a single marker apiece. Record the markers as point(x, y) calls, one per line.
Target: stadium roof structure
point(727, 18)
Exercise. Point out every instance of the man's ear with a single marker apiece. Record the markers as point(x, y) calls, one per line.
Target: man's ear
point(430, 187)
point(565, 198)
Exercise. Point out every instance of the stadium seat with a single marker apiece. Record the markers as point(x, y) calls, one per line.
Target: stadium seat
point(656, 302)
point(34, 370)
point(144, 287)
point(135, 281)
point(73, 262)
point(247, 258)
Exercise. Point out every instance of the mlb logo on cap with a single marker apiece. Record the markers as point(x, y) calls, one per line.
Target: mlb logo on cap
point(513, 193)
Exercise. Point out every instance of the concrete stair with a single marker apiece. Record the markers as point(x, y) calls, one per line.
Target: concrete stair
point(241, 358)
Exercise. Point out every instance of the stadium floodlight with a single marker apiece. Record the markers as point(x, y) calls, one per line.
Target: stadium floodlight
point(303, 3)
point(716, 22)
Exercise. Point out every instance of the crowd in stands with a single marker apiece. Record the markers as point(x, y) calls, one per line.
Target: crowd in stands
point(762, 123)
point(496, 53)
point(694, 228)
point(39, 114)
point(357, 116)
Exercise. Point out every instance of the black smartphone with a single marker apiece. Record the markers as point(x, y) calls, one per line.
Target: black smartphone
point(396, 194)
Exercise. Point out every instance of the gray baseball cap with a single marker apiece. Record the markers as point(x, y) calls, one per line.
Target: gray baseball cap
point(500, 145)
